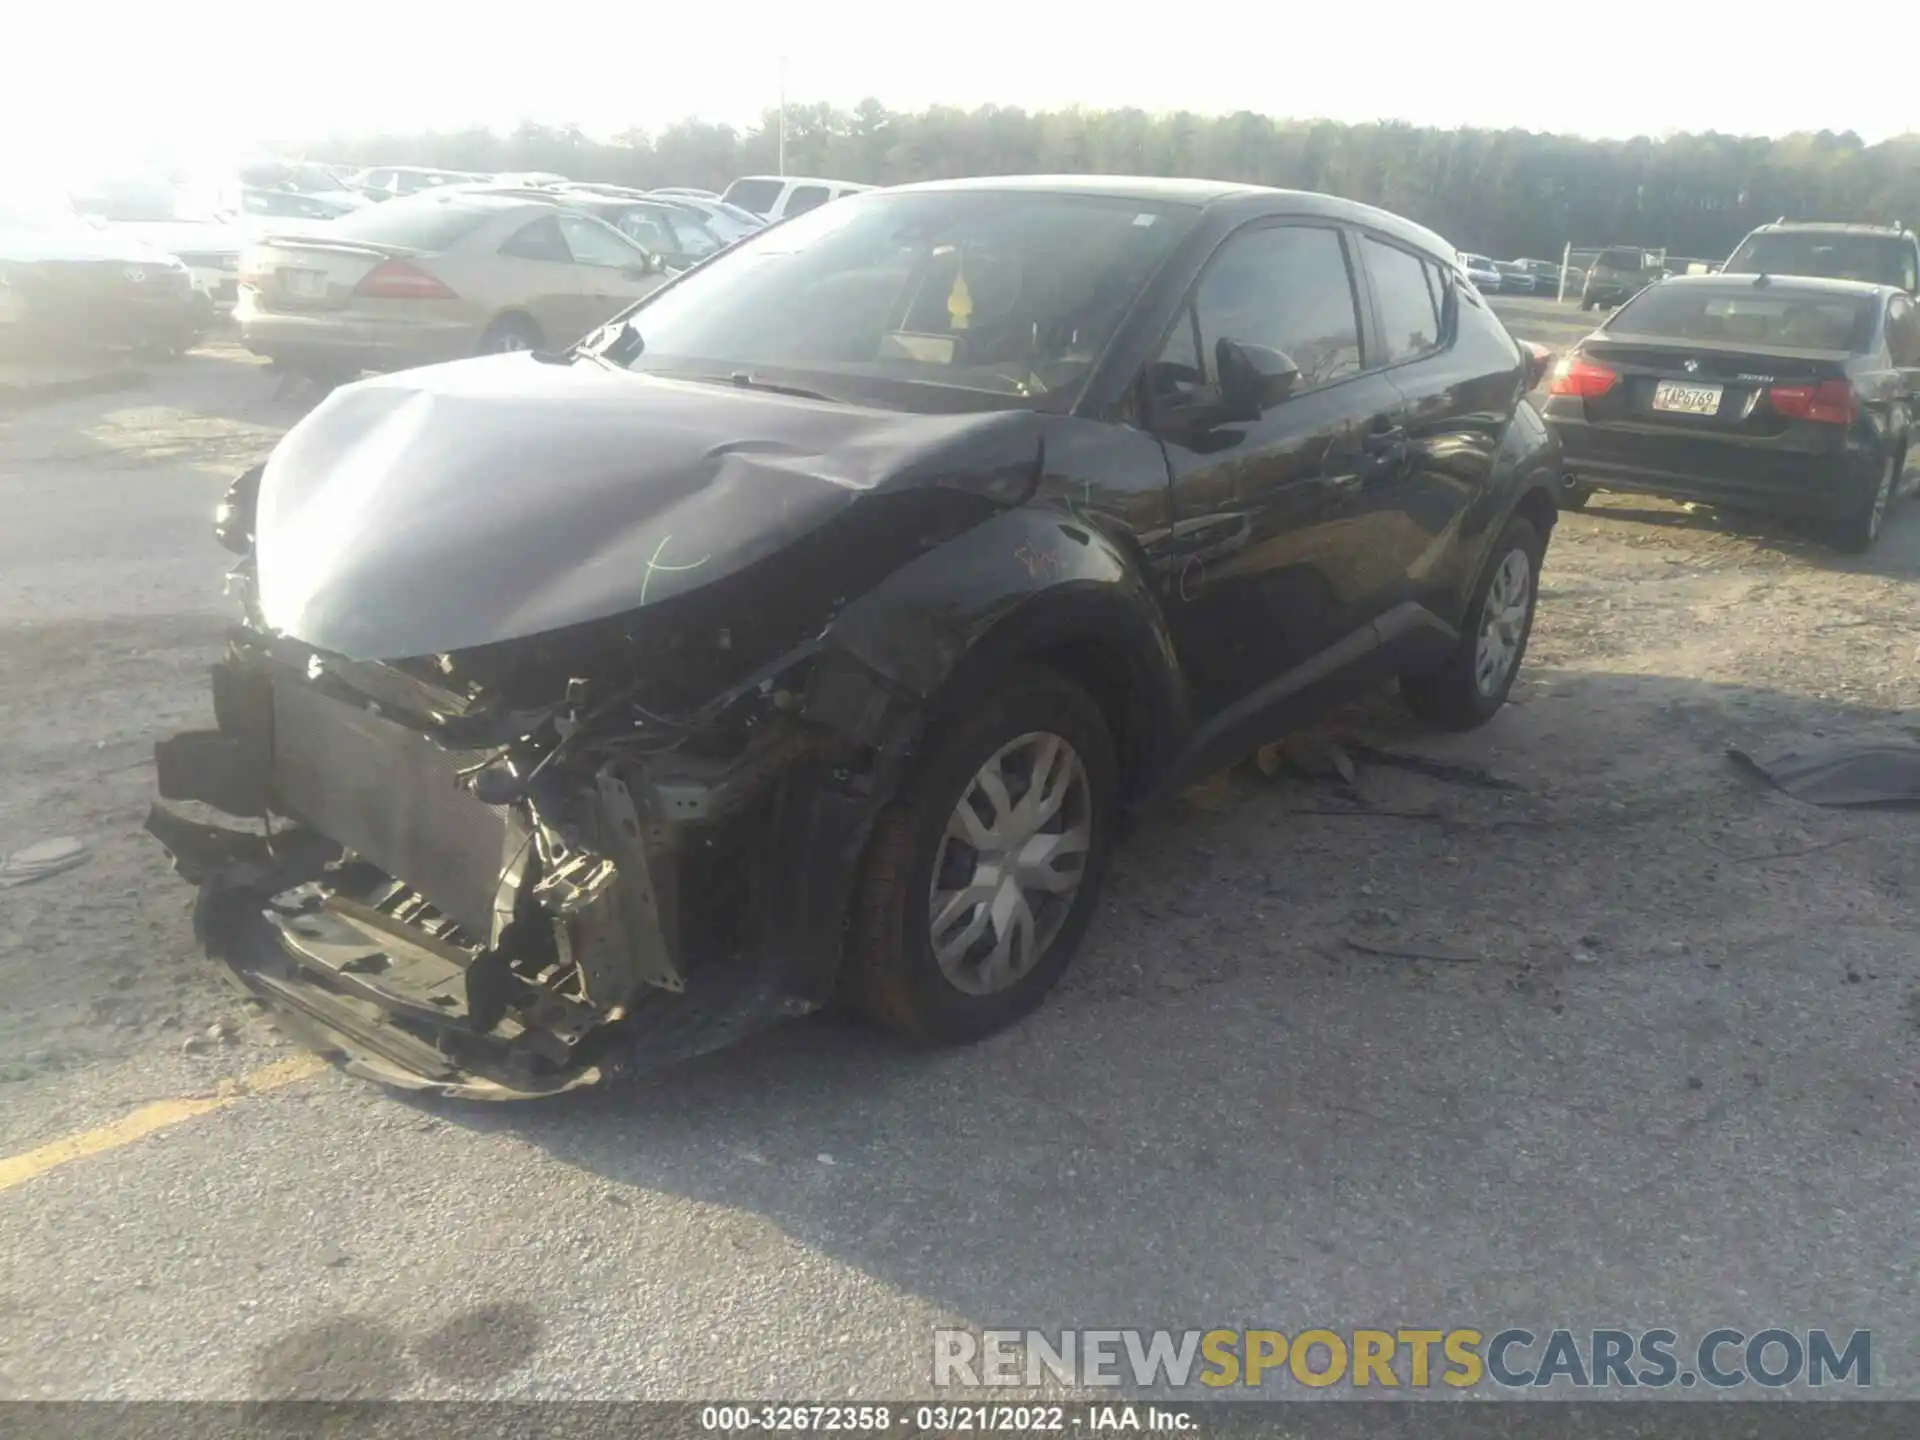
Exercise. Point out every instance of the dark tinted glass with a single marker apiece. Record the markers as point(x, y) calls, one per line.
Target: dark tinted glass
point(1286, 288)
point(1800, 320)
point(1408, 315)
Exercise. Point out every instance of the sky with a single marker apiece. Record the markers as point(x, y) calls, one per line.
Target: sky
point(84, 86)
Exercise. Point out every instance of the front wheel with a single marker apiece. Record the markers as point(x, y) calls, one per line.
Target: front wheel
point(982, 876)
point(1472, 684)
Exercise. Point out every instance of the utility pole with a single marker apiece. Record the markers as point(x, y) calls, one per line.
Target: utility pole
point(783, 115)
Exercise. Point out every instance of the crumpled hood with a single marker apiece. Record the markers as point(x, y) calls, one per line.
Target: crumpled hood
point(460, 505)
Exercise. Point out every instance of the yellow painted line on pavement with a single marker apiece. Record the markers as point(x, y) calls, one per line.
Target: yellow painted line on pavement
point(160, 1115)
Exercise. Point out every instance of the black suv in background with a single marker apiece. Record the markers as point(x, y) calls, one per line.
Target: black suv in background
point(886, 559)
point(1619, 273)
point(1872, 254)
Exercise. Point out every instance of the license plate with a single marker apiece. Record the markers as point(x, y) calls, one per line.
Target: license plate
point(304, 284)
point(1686, 399)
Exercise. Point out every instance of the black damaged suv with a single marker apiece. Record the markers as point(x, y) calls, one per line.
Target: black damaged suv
point(808, 629)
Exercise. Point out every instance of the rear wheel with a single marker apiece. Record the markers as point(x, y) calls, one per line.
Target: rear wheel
point(982, 876)
point(1857, 533)
point(1574, 495)
point(509, 333)
point(1471, 686)
point(1586, 303)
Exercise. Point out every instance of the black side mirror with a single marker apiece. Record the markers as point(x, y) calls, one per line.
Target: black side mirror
point(1253, 378)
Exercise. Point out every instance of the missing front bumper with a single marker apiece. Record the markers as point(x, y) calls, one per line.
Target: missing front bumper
point(419, 936)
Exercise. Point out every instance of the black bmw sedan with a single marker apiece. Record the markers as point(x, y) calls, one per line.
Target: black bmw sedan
point(1783, 394)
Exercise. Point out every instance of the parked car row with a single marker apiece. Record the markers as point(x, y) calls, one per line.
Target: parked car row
point(62, 279)
point(248, 218)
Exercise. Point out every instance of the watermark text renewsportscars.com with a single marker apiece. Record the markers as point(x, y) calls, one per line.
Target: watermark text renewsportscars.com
point(1722, 1358)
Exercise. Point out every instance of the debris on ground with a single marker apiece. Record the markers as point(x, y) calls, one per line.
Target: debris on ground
point(38, 861)
point(1308, 753)
point(1388, 952)
point(1841, 775)
point(221, 1032)
point(1448, 770)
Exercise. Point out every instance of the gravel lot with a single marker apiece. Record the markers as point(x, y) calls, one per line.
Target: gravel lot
point(1667, 1072)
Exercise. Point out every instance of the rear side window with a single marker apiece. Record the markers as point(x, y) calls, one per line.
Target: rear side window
point(1404, 293)
point(1287, 288)
point(1622, 260)
point(1798, 320)
point(424, 224)
point(540, 240)
point(805, 198)
point(756, 196)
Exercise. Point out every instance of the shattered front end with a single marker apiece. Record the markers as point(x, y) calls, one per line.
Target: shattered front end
point(548, 779)
point(446, 892)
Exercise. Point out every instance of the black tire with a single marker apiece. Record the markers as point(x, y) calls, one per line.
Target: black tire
point(1586, 303)
point(509, 333)
point(892, 973)
point(1857, 533)
point(1451, 697)
point(1574, 496)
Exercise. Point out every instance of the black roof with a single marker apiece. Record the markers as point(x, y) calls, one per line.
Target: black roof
point(1227, 195)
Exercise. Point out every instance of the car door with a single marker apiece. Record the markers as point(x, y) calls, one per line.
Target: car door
point(1250, 563)
point(614, 272)
point(540, 277)
point(1454, 380)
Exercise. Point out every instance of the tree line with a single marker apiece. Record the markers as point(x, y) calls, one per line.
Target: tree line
point(1501, 192)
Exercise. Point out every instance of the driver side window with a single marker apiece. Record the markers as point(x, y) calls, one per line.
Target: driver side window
point(1284, 287)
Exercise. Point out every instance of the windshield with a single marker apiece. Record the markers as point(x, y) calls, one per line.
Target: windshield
point(1010, 294)
point(1876, 259)
point(1776, 316)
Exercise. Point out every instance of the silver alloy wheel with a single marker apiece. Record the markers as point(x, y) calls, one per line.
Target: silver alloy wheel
point(1503, 621)
point(507, 341)
point(1010, 863)
point(1878, 514)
